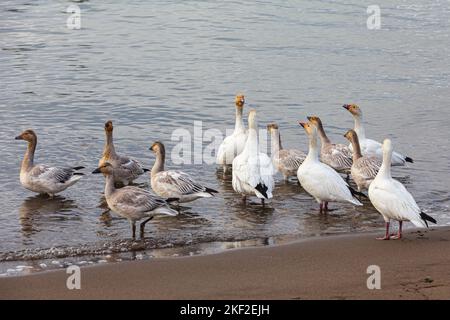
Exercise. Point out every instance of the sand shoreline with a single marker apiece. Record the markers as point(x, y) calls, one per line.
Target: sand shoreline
point(333, 267)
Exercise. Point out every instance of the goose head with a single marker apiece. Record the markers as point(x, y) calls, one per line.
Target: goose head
point(353, 109)
point(271, 127)
point(109, 126)
point(106, 169)
point(239, 100)
point(27, 135)
point(387, 146)
point(351, 135)
point(315, 121)
point(158, 148)
point(310, 128)
point(252, 122)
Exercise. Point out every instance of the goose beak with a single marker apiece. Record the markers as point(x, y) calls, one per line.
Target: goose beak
point(96, 171)
point(346, 106)
point(18, 138)
point(309, 118)
point(302, 124)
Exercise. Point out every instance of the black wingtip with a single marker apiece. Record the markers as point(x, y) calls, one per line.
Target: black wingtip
point(262, 189)
point(211, 191)
point(356, 193)
point(408, 159)
point(169, 200)
point(426, 218)
point(146, 170)
point(78, 174)
point(78, 168)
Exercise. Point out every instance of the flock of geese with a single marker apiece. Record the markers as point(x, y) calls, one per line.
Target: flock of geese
point(367, 161)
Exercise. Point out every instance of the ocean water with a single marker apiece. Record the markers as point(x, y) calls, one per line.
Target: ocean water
point(154, 67)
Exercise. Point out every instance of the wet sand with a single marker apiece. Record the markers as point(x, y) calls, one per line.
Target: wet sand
point(416, 267)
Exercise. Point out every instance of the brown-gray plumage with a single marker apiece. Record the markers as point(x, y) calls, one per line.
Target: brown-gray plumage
point(126, 169)
point(286, 161)
point(337, 156)
point(132, 203)
point(364, 168)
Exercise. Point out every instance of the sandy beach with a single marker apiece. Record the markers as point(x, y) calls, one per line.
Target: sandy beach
point(416, 267)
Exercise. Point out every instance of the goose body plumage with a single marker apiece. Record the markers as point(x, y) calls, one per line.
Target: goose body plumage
point(233, 144)
point(41, 178)
point(253, 170)
point(174, 183)
point(320, 180)
point(364, 168)
point(392, 200)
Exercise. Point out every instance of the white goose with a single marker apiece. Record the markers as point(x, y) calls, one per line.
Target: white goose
point(368, 146)
point(336, 155)
point(319, 179)
point(364, 168)
point(286, 161)
point(126, 169)
point(253, 170)
point(233, 144)
point(392, 199)
point(175, 184)
point(133, 203)
point(41, 178)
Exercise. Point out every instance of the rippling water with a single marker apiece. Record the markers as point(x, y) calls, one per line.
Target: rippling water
point(156, 66)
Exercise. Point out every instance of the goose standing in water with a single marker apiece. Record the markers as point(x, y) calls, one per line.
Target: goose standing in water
point(364, 168)
point(41, 178)
point(253, 170)
point(131, 202)
point(286, 161)
point(126, 169)
point(175, 184)
point(233, 144)
point(319, 179)
point(337, 156)
point(368, 146)
point(392, 199)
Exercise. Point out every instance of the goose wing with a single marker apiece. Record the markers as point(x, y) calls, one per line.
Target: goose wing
point(290, 159)
point(367, 167)
point(129, 199)
point(51, 174)
point(179, 182)
point(131, 165)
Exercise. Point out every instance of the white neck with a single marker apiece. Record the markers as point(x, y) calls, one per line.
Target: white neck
point(313, 153)
point(109, 185)
point(239, 125)
point(385, 169)
point(359, 129)
point(251, 145)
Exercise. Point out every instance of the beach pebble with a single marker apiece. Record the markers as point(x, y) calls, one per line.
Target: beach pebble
point(55, 262)
point(43, 265)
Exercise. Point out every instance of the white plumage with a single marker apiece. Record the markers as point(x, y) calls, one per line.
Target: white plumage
point(371, 147)
point(392, 199)
point(233, 145)
point(320, 180)
point(253, 170)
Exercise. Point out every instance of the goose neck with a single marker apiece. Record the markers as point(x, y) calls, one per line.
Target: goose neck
point(359, 128)
point(28, 159)
point(159, 163)
point(239, 124)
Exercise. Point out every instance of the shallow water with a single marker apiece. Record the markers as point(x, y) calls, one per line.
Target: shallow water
point(154, 67)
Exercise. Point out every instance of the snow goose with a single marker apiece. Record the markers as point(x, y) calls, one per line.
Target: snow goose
point(337, 156)
point(131, 202)
point(319, 179)
point(253, 170)
point(41, 178)
point(392, 199)
point(364, 168)
point(286, 161)
point(126, 169)
point(369, 146)
point(233, 144)
point(175, 184)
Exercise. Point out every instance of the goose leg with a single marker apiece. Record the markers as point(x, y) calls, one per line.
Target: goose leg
point(142, 226)
point(321, 207)
point(399, 234)
point(133, 229)
point(386, 236)
point(263, 202)
point(244, 199)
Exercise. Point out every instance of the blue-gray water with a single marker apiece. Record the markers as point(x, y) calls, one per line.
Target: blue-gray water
point(156, 66)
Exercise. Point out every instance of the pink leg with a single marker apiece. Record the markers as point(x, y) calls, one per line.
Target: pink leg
point(387, 236)
point(399, 234)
